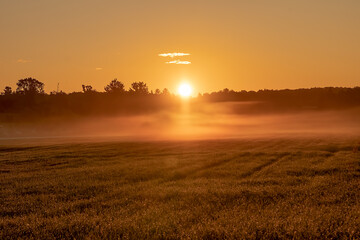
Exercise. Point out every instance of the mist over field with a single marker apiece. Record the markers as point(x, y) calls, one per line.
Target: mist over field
point(198, 121)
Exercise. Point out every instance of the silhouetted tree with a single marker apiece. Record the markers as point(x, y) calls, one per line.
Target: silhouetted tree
point(57, 93)
point(7, 90)
point(139, 88)
point(225, 90)
point(115, 86)
point(157, 91)
point(165, 91)
point(29, 86)
point(87, 88)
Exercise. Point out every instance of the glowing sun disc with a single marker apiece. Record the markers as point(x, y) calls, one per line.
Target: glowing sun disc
point(185, 90)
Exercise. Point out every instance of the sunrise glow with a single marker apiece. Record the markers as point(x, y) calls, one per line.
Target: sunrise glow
point(185, 90)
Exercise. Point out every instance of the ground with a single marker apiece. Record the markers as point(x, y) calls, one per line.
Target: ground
point(255, 189)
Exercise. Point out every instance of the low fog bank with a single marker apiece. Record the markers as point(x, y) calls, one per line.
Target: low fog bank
point(194, 121)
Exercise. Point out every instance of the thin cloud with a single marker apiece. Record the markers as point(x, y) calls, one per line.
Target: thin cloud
point(98, 69)
point(178, 62)
point(23, 61)
point(172, 55)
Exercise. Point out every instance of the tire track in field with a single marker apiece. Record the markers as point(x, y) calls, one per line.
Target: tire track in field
point(188, 173)
point(185, 174)
point(264, 166)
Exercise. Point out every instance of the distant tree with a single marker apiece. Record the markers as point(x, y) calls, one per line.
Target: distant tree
point(225, 90)
point(139, 88)
point(29, 86)
point(7, 90)
point(115, 86)
point(165, 91)
point(87, 89)
point(157, 91)
point(57, 93)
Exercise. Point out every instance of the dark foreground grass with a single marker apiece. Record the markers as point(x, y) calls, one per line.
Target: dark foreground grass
point(255, 189)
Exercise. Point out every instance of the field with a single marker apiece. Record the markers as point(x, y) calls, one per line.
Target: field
point(254, 189)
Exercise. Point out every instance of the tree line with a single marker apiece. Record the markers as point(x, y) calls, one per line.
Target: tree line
point(32, 86)
point(29, 101)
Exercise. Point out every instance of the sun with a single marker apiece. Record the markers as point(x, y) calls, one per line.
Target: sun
point(185, 90)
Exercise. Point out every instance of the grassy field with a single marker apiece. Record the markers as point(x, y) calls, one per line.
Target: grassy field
point(254, 189)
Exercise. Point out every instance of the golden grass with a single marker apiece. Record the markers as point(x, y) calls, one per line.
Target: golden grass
point(253, 189)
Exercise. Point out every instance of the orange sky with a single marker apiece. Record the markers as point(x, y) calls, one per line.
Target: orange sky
point(236, 44)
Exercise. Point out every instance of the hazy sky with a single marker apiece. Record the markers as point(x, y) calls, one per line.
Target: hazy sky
point(233, 43)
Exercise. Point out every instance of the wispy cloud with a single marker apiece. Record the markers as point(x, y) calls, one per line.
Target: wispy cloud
point(98, 69)
point(178, 62)
point(23, 61)
point(172, 55)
